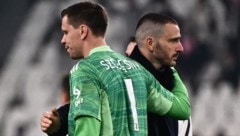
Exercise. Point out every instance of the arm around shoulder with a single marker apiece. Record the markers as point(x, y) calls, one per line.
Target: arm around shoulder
point(175, 104)
point(181, 104)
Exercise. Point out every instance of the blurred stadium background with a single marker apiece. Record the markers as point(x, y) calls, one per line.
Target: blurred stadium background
point(32, 60)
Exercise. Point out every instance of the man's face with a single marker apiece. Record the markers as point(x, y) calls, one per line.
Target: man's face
point(168, 46)
point(71, 39)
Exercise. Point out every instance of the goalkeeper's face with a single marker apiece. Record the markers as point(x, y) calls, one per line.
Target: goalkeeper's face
point(71, 39)
point(168, 46)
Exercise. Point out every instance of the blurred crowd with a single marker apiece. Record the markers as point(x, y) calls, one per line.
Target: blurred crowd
point(32, 58)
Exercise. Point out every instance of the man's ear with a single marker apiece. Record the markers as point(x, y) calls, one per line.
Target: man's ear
point(83, 31)
point(149, 41)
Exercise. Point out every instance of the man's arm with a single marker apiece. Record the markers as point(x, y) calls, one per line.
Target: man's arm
point(181, 102)
point(175, 104)
point(87, 126)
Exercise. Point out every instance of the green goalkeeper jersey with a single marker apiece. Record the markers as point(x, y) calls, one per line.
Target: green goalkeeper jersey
point(110, 95)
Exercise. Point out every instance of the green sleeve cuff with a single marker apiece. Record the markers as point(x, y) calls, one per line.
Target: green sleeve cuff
point(87, 126)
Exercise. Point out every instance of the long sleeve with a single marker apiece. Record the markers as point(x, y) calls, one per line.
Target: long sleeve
point(163, 102)
point(180, 105)
point(87, 126)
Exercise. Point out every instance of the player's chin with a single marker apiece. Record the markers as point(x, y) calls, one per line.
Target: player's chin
point(75, 57)
point(72, 56)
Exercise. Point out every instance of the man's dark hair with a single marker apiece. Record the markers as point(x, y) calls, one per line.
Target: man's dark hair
point(151, 24)
point(156, 19)
point(91, 14)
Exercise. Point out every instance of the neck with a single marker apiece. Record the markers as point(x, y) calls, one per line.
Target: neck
point(93, 43)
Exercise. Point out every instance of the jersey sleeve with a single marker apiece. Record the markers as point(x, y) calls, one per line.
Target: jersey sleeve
point(175, 104)
point(181, 104)
point(87, 126)
point(85, 98)
point(159, 99)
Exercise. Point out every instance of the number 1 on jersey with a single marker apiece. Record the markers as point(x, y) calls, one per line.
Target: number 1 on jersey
point(129, 86)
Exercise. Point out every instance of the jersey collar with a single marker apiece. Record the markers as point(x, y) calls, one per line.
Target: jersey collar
point(100, 48)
